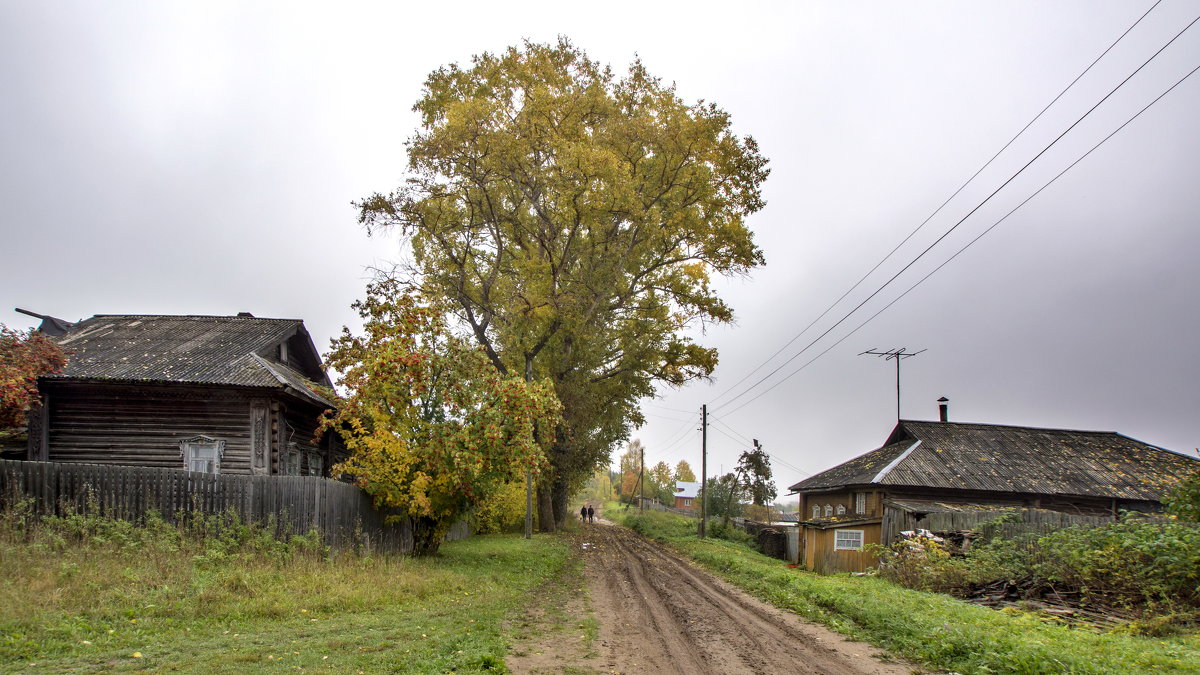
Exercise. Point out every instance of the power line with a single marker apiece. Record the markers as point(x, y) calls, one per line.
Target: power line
point(939, 208)
point(963, 219)
point(663, 407)
point(968, 244)
point(665, 417)
point(751, 442)
point(676, 439)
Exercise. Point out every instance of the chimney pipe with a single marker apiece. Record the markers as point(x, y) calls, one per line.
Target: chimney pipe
point(944, 409)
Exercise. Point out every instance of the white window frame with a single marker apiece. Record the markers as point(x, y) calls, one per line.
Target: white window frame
point(828, 511)
point(190, 450)
point(316, 464)
point(840, 543)
point(816, 512)
point(841, 509)
point(860, 503)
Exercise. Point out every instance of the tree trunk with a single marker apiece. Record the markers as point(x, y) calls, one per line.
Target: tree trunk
point(427, 535)
point(546, 520)
point(559, 496)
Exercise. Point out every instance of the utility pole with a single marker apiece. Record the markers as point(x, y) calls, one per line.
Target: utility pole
point(703, 469)
point(896, 354)
point(642, 480)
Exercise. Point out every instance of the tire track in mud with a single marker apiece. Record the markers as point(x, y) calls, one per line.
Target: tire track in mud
point(659, 613)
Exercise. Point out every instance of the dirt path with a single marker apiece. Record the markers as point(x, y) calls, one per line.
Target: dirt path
point(659, 613)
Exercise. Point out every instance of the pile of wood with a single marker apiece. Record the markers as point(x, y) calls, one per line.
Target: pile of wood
point(1032, 595)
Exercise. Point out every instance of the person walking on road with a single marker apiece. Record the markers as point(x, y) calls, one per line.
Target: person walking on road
point(591, 514)
point(583, 513)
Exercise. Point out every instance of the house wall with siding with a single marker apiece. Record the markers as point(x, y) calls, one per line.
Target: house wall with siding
point(821, 556)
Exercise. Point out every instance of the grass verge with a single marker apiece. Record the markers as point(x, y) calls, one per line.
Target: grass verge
point(929, 628)
point(120, 598)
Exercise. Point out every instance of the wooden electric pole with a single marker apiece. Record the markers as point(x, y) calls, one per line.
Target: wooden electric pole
point(642, 480)
point(703, 469)
point(896, 354)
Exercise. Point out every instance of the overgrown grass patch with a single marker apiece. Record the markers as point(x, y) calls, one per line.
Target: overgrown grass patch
point(935, 629)
point(157, 597)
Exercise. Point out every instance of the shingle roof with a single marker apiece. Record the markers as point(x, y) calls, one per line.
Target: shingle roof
point(224, 350)
point(998, 458)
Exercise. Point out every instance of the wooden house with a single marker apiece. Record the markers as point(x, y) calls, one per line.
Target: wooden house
point(686, 493)
point(218, 394)
point(961, 475)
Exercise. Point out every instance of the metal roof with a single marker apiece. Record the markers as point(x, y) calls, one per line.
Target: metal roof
point(998, 458)
point(222, 350)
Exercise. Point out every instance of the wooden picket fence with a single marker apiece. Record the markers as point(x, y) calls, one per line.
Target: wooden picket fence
point(341, 512)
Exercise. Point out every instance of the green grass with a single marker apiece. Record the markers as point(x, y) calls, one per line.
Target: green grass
point(929, 628)
point(112, 597)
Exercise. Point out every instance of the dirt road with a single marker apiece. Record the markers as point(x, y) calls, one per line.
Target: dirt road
point(659, 613)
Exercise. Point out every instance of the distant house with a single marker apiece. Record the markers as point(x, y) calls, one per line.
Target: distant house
point(967, 473)
point(217, 394)
point(685, 494)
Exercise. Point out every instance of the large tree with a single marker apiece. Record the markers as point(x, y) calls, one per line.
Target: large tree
point(572, 220)
point(432, 427)
point(24, 357)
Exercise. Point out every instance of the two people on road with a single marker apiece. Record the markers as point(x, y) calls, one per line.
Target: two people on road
point(587, 514)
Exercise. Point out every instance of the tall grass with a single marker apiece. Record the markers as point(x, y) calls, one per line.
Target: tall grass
point(83, 593)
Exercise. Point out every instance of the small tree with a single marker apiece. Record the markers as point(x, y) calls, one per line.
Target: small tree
point(432, 427)
point(754, 466)
point(724, 495)
point(659, 483)
point(683, 472)
point(24, 357)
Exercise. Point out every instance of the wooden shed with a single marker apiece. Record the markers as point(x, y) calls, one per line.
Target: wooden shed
point(218, 394)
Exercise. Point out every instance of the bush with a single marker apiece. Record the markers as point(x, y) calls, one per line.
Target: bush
point(923, 564)
point(732, 533)
point(1146, 566)
point(1135, 563)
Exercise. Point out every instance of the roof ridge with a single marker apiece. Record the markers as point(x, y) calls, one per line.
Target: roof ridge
point(192, 316)
point(1013, 426)
point(892, 464)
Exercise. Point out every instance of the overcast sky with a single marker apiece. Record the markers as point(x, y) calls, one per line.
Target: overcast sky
point(201, 157)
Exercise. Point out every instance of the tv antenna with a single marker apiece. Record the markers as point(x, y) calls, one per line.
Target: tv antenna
point(897, 355)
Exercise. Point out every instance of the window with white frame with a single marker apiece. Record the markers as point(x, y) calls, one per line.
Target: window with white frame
point(847, 540)
point(828, 511)
point(816, 512)
point(202, 454)
point(841, 510)
point(316, 464)
point(860, 503)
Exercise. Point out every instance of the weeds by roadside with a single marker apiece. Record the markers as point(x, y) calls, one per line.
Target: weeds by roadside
point(85, 593)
